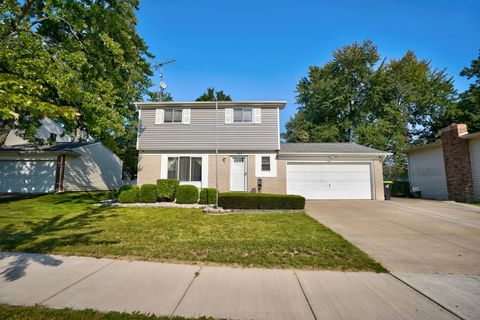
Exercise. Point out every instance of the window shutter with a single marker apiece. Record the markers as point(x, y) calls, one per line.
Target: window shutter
point(186, 116)
point(158, 116)
point(257, 115)
point(228, 115)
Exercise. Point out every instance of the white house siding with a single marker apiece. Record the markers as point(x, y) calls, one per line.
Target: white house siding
point(43, 132)
point(427, 171)
point(475, 159)
point(96, 168)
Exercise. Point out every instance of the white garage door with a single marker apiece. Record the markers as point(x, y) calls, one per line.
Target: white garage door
point(329, 181)
point(27, 176)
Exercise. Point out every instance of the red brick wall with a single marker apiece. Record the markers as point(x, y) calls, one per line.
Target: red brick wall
point(458, 168)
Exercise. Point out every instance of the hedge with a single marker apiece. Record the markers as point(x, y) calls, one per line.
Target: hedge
point(401, 189)
point(129, 195)
point(208, 196)
point(167, 189)
point(238, 200)
point(187, 194)
point(148, 193)
point(125, 187)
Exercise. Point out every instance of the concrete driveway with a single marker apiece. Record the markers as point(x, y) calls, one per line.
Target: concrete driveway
point(408, 235)
point(432, 246)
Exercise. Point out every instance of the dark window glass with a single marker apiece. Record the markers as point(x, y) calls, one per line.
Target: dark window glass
point(168, 115)
point(237, 115)
point(196, 169)
point(184, 173)
point(172, 168)
point(177, 115)
point(265, 163)
point(247, 115)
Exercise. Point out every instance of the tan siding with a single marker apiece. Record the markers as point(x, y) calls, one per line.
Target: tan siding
point(277, 185)
point(378, 180)
point(96, 168)
point(223, 173)
point(200, 133)
point(148, 169)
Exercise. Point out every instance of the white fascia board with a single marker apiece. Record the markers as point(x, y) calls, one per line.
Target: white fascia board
point(221, 104)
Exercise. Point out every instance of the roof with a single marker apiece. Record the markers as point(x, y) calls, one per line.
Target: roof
point(471, 135)
point(328, 148)
point(424, 146)
point(62, 147)
point(211, 104)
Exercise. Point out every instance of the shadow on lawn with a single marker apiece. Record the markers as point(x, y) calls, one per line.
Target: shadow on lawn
point(46, 236)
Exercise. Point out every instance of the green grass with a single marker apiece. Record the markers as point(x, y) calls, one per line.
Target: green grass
point(71, 224)
point(42, 313)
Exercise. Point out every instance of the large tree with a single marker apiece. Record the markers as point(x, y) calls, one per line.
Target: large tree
point(78, 62)
point(212, 95)
point(360, 97)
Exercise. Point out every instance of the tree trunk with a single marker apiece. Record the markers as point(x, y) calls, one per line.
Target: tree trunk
point(4, 131)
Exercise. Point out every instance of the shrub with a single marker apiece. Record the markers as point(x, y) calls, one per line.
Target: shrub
point(208, 196)
point(238, 200)
point(187, 194)
point(125, 187)
point(129, 195)
point(401, 189)
point(167, 189)
point(148, 193)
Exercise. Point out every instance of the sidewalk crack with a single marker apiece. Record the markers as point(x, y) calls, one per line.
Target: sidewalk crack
point(76, 282)
point(197, 274)
point(305, 295)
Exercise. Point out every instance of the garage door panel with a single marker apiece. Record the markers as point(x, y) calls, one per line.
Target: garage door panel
point(329, 181)
point(36, 176)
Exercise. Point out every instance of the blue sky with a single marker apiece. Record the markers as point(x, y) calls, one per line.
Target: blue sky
point(258, 50)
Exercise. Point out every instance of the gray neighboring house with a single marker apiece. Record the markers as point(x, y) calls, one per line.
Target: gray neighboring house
point(178, 140)
point(58, 166)
point(448, 169)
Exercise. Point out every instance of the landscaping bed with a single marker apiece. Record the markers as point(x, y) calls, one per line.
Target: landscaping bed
point(72, 224)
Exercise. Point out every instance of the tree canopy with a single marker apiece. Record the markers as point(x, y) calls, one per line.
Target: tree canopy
point(360, 97)
point(80, 63)
point(212, 95)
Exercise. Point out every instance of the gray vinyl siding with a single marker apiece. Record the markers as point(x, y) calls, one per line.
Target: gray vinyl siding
point(200, 133)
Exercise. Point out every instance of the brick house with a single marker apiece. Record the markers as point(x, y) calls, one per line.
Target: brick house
point(448, 169)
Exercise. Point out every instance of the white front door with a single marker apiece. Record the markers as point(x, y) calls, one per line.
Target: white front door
point(329, 181)
point(238, 173)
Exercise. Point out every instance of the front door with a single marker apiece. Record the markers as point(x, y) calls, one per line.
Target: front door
point(238, 173)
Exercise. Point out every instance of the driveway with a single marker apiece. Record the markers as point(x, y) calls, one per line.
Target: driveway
point(408, 235)
point(432, 246)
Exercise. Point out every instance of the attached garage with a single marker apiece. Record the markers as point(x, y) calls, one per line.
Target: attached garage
point(330, 180)
point(329, 171)
point(27, 176)
point(66, 166)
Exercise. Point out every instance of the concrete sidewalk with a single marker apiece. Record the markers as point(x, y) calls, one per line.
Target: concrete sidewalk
point(220, 292)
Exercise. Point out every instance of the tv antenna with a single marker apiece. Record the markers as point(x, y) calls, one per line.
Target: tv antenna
point(163, 84)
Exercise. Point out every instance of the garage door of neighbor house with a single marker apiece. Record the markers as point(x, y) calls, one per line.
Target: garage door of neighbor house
point(329, 181)
point(33, 176)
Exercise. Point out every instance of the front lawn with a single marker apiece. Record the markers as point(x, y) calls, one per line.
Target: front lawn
point(42, 313)
point(71, 224)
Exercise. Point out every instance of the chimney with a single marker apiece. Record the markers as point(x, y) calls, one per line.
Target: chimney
point(458, 167)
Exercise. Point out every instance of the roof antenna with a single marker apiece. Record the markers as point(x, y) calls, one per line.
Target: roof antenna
point(163, 84)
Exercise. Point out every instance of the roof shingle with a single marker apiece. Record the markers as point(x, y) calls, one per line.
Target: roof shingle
point(326, 148)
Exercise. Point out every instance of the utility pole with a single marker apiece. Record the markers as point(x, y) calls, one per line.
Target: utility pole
point(216, 152)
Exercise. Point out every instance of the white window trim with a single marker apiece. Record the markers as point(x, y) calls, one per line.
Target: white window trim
point(160, 116)
point(258, 166)
point(198, 184)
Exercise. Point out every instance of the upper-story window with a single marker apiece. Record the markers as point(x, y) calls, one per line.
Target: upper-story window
point(172, 115)
point(242, 115)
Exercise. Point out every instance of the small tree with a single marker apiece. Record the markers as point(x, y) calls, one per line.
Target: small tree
point(212, 95)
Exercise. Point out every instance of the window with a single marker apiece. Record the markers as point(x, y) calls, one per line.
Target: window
point(185, 168)
point(172, 115)
point(265, 163)
point(242, 115)
point(53, 137)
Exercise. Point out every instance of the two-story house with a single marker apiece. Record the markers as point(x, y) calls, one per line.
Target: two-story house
point(178, 140)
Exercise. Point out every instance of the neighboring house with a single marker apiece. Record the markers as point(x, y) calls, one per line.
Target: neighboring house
point(448, 169)
point(49, 130)
point(62, 166)
point(178, 140)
